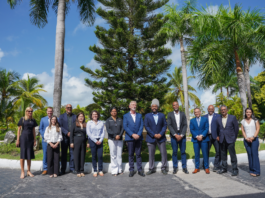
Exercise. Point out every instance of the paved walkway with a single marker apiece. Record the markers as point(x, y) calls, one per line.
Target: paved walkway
point(156, 185)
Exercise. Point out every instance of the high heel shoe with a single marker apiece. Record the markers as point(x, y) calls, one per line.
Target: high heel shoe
point(30, 174)
point(82, 174)
point(22, 177)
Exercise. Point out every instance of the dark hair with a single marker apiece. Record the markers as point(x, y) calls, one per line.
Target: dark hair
point(94, 111)
point(196, 108)
point(77, 122)
point(49, 108)
point(252, 116)
point(56, 124)
point(112, 109)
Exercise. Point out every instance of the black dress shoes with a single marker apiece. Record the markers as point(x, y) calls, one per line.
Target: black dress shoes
point(141, 173)
point(175, 171)
point(185, 171)
point(73, 172)
point(164, 172)
point(150, 172)
point(234, 173)
point(131, 174)
point(215, 169)
point(221, 171)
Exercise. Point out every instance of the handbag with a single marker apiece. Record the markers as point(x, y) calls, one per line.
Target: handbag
point(21, 129)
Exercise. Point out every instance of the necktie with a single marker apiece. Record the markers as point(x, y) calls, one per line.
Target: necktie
point(198, 121)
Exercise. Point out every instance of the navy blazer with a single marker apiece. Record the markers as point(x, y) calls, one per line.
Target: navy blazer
point(64, 123)
point(214, 131)
point(152, 128)
point(230, 131)
point(199, 130)
point(132, 127)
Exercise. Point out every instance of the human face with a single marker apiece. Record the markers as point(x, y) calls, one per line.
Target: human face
point(211, 109)
point(68, 109)
point(29, 112)
point(223, 111)
point(133, 106)
point(81, 118)
point(94, 116)
point(49, 112)
point(197, 113)
point(154, 108)
point(113, 113)
point(175, 106)
point(248, 113)
point(53, 120)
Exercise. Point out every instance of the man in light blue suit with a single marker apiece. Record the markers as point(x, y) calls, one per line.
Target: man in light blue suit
point(199, 127)
point(133, 125)
point(45, 121)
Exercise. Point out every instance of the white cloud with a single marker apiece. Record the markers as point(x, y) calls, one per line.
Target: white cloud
point(93, 65)
point(2, 54)
point(208, 98)
point(82, 26)
point(212, 9)
point(74, 90)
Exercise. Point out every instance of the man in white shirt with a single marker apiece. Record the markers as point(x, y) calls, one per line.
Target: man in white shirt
point(214, 136)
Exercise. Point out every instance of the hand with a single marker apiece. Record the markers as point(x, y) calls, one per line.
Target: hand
point(155, 136)
point(98, 143)
point(87, 145)
point(17, 143)
point(199, 138)
point(218, 138)
point(68, 134)
point(135, 136)
point(55, 146)
point(52, 145)
point(35, 143)
point(72, 145)
point(117, 137)
point(158, 136)
point(178, 137)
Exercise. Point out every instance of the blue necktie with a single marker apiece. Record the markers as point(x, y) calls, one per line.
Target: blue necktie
point(198, 121)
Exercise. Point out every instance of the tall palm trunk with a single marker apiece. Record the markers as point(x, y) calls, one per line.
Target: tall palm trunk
point(247, 78)
point(185, 83)
point(227, 92)
point(59, 57)
point(241, 83)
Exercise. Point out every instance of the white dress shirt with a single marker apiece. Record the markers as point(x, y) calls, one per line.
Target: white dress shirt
point(133, 116)
point(95, 131)
point(51, 135)
point(177, 119)
point(210, 118)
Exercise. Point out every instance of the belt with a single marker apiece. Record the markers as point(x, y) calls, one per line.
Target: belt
point(79, 135)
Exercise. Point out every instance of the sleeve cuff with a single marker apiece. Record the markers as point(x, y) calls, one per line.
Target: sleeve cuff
point(181, 135)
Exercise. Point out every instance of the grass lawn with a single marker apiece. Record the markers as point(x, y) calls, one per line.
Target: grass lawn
point(106, 157)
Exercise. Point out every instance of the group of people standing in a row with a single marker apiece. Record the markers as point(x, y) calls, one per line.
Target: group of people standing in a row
point(73, 133)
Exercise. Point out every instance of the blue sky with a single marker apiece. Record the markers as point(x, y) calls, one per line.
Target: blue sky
point(29, 50)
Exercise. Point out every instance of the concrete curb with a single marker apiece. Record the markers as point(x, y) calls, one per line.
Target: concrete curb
point(37, 165)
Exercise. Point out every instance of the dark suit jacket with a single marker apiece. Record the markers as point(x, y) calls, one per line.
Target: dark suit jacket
point(172, 125)
point(64, 124)
point(132, 127)
point(213, 124)
point(152, 128)
point(230, 131)
point(199, 130)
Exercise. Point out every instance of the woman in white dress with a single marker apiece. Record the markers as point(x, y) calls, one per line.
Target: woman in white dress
point(250, 130)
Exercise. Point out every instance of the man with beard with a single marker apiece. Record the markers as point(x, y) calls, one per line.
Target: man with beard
point(177, 125)
point(156, 126)
point(133, 125)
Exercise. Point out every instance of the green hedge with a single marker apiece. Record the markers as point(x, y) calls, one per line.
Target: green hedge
point(2, 136)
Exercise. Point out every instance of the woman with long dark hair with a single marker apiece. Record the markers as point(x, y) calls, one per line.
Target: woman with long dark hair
point(26, 140)
point(78, 141)
point(53, 137)
point(250, 129)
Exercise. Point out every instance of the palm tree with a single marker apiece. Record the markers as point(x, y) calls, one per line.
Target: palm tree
point(176, 79)
point(220, 38)
point(179, 31)
point(38, 16)
point(28, 94)
point(6, 111)
point(7, 80)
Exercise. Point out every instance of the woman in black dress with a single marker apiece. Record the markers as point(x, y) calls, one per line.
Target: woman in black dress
point(26, 140)
point(78, 141)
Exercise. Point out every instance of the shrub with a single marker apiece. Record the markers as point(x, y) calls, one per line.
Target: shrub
point(2, 136)
point(9, 149)
point(106, 146)
point(240, 134)
point(262, 131)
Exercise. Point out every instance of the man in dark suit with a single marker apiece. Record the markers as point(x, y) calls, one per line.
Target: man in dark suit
point(227, 127)
point(67, 121)
point(199, 128)
point(156, 125)
point(213, 136)
point(133, 125)
point(177, 125)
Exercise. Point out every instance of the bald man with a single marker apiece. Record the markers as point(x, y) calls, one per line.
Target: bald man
point(67, 121)
point(214, 136)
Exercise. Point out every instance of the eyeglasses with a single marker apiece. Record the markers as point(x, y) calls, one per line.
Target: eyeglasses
point(30, 111)
point(68, 107)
